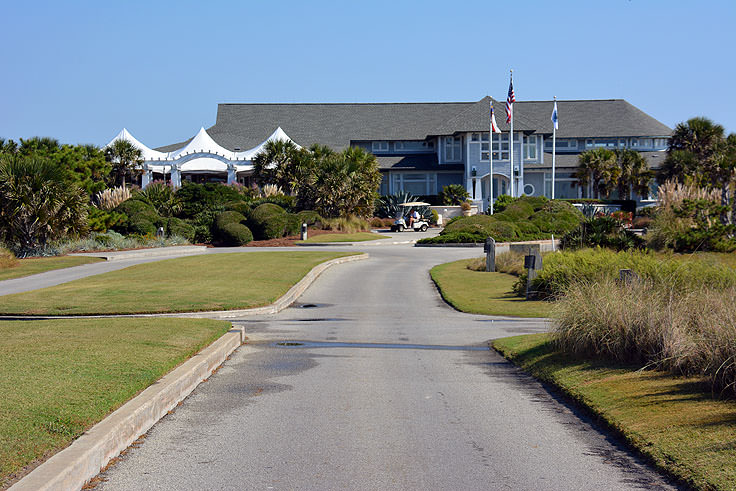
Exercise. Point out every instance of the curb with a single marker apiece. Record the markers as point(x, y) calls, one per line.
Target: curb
point(280, 304)
point(72, 467)
point(155, 252)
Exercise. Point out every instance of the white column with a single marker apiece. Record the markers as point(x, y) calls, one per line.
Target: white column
point(175, 176)
point(231, 173)
point(146, 177)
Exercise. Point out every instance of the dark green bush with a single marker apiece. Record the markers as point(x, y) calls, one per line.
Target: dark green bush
point(293, 225)
point(139, 225)
point(135, 207)
point(140, 218)
point(309, 217)
point(235, 234)
point(196, 198)
point(268, 221)
point(605, 231)
point(101, 220)
point(240, 206)
point(176, 226)
point(460, 237)
point(230, 229)
point(288, 203)
point(502, 202)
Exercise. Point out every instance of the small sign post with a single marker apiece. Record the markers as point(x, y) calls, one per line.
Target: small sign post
point(490, 249)
point(304, 231)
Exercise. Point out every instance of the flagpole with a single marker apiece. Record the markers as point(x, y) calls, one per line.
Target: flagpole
point(490, 155)
point(554, 149)
point(511, 148)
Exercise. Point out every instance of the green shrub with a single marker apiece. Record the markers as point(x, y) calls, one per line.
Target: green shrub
point(268, 221)
point(293, 225)
point(605, 231)
point(177, 226)
point(288, 203)
point(197, 198)
point(240, 206)
point(139, 225)
point(502, 202)
point(141, 218)
point(235, 234)
point(461, 237)
point(309, 217)
point(521, 209)
point(101, 220)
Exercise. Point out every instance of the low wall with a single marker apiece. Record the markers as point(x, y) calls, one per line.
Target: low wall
point(448, 212)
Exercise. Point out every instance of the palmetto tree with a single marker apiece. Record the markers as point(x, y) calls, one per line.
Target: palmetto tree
point(37, 203)
point(692, 145)
point(125, 158)
point(600, 167)
point(635, 173)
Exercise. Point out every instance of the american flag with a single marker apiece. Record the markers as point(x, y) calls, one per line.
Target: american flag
point(510, 100)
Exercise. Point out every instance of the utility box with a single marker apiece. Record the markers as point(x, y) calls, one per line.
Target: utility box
point(304, 231)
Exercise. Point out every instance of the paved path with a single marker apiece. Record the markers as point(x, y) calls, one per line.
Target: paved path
point(389, 389)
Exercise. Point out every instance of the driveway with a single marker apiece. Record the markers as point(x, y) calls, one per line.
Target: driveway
point(372, 382)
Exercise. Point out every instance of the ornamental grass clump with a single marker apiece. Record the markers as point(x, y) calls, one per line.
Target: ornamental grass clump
point(680, 273)
point(111, 198)
point(7, 258)
point(685, 332)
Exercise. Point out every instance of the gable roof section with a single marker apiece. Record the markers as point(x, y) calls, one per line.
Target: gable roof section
point(336, 125)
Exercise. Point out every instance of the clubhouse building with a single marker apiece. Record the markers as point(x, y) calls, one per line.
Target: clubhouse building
point(420, 147)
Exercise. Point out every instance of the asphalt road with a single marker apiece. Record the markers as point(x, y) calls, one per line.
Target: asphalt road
point(377, 384)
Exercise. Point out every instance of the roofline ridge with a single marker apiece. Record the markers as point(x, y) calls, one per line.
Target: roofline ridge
point(337, 103)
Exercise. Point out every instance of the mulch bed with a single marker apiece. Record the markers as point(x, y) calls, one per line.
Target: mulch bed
point(288, 241)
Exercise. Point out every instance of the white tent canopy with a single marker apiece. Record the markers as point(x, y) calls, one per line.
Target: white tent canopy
point(147, 153)
point(202, 143)
point(201, 155)
point(277, 135)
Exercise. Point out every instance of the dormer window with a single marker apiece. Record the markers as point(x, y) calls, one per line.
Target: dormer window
point(379, 146)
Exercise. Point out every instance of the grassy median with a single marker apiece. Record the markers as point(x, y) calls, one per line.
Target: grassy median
point(674, 421)
point(35, 265)
point(356, 237)
point(187, 284)
point(60, 377)
point(479, 292)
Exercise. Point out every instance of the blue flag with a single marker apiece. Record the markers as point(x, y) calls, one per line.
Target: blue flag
point(554, 116)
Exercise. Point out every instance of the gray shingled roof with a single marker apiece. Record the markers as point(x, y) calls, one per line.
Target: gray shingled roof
point(246, 125)
point(654, 159)
point(415, 162)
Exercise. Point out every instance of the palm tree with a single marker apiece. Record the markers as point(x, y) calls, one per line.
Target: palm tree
point(601, 167)
point(124, 157)
point(692, 145)
point(37, 203)
point(635, 173)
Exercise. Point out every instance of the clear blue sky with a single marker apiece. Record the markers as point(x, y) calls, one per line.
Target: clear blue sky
point(79, 71)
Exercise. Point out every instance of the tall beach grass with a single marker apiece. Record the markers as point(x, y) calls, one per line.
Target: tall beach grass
point(660, 325)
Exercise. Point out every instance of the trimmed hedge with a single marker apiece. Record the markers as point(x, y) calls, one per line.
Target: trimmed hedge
point(230, 229)
point(526, 218)
point(140, 218)
point(268, 221)
point(177, 226)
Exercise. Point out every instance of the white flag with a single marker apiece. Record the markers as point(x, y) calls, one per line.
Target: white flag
point(554, 117)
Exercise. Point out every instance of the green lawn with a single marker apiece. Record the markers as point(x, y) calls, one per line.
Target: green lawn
point(60, 377)
point(186, 284)
point(356, 237)
point(35, 265)
point(479, 292)
point(674, 421)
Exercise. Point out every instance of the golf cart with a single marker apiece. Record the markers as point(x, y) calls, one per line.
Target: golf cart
point(402, 221)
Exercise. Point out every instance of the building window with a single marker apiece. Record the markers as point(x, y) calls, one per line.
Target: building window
point(529, 189)
point(530, 147)
point(453, 148)
point(379, 146)
point(501, 147)
point(413, 146)
point(418, 184)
